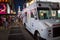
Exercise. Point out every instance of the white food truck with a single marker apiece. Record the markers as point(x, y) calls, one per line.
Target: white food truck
point(41, 19)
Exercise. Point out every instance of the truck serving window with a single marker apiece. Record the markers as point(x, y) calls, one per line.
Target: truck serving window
point(47, 14)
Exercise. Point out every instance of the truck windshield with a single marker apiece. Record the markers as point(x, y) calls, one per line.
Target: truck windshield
point(47, 14)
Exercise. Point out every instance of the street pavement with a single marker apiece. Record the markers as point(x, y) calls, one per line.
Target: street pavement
point(16, 32)
point(27, 35)
point(3, 35)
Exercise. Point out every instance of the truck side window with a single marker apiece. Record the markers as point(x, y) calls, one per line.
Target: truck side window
point(32, 16)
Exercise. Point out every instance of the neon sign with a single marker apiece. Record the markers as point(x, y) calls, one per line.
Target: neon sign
point(3, 9)
point(4, 0)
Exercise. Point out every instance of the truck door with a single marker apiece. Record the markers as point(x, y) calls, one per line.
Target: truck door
point(25, 17)
point(27, 20)
point(32, 21)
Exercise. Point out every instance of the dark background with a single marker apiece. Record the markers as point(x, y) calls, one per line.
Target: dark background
point(19, 3)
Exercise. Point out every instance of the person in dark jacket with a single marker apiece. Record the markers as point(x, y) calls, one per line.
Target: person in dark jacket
point(1, 21)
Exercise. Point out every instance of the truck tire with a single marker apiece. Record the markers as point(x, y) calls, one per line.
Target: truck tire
point(37, 36)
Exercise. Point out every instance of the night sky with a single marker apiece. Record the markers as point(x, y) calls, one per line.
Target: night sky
point(19, 3)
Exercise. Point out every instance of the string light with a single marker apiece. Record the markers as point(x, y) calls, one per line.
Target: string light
point(4, 0)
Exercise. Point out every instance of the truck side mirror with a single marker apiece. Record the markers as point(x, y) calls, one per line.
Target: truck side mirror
point(35, 18)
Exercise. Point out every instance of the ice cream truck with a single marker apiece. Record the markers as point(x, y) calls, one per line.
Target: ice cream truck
point(42, 21)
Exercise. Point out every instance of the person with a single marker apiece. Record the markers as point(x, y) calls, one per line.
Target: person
point(4, 22)
point(1, 21)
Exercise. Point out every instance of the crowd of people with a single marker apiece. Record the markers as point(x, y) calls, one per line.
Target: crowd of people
point(6, 21)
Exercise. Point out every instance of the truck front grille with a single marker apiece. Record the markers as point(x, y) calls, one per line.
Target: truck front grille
point(56, 32)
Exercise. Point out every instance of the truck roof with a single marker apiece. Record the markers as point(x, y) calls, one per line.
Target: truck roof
point(49, 1)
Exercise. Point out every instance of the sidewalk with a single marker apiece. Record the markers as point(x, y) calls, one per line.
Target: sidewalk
point(15, 34)
point(3, 35)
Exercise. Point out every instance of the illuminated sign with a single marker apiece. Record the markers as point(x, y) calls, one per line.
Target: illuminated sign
point(31, 2)
point(3, 8)
point(4, 0)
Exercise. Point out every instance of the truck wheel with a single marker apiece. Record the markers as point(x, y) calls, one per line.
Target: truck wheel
point(37, 36)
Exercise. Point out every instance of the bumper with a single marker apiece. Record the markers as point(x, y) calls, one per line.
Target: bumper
point(56, 38)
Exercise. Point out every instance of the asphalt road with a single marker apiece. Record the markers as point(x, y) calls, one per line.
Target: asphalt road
point(3, 35)
point(19, 33)
point(16, 32)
